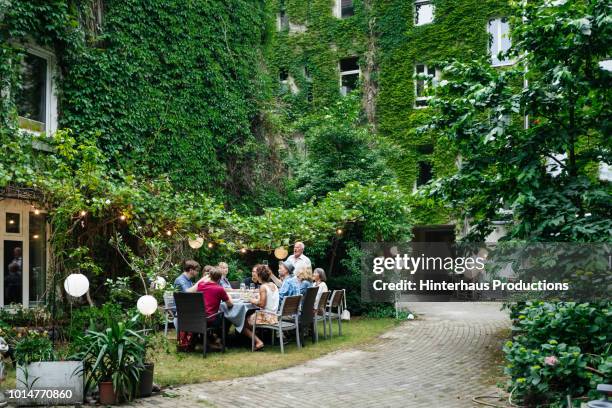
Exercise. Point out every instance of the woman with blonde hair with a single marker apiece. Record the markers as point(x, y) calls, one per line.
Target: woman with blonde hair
point(304, 278)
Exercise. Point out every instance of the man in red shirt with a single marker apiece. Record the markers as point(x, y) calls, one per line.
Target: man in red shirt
point(213, 295)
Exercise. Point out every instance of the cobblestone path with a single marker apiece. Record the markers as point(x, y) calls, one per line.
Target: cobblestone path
point(439, 360)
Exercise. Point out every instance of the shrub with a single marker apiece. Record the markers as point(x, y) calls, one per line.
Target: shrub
point(33, 346)
point(558, 349)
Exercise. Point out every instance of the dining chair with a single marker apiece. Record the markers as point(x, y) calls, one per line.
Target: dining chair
point(320, 315)
point(191, 315)
point(169, 311)
point(307, 313)
point(335, 303)
point(289, 308)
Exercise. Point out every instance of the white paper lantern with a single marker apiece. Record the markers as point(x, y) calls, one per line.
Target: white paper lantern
point(196, 243)
point(76, 284)
point(147, 305)
point(410, 316)
point(160, 282)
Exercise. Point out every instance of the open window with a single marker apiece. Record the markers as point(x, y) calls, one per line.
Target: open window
point(35, 97)
point(349, 74)
point(423, 12)
point(499, 41)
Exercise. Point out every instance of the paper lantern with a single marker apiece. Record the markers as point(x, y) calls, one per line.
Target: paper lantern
point(76, 284)
point(196, 243)
point(160, 282)
point(280, 253)
point(146, 305)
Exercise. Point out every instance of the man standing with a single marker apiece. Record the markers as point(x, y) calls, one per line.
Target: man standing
point(184, 282)
point(298, 259)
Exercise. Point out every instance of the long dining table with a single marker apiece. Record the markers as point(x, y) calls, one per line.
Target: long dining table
point(241, 299)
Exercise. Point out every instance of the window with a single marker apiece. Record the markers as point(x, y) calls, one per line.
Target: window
point(343, 8)
point(282, 21)
point(423, 12)
point(349, 74)
point(35, 100)
point(499, 41)
point(38, 257)
point(425, 173)
point(421, 98)
point(425, 149)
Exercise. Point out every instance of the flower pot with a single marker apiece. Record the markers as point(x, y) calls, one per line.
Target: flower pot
point(108, 396)
point(145, 387)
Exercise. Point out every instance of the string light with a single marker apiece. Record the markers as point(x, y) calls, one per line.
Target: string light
point(122, 217)
point(36, 211)
point(339, 231)
point(168, 233)
point(243, 251)
point(210, 245)
point(83, 213)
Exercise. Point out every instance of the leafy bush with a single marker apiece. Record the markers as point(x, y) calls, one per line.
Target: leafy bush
point(558, 349)
point(93, 318)
point(18, 316)
point(33, 346)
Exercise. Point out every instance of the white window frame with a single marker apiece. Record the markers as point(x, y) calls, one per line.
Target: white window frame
point(497, 39)
point(50, 89)
point(337, 9)
point(279, 22)
point(343, 92)
point(417, 4)
point(436, 77)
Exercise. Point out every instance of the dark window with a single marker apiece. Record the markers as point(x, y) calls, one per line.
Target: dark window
point(13, 223)
point(283, 74)
point(31, 99)
point(425, 173)
point(346, 8)
point(349, 64)
point(425, 149)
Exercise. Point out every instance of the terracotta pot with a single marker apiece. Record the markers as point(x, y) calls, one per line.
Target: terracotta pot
point(108, 396)
point(145, 386)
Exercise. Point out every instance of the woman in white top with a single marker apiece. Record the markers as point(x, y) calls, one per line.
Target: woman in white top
point(319, 282)
point(267, 301)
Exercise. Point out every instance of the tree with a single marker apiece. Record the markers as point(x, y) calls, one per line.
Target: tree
point(340, 149)
point(531, 137)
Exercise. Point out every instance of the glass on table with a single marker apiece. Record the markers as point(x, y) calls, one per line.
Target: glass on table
point(242, 286)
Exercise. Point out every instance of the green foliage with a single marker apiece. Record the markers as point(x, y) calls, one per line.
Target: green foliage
point(18, 316)
point(93, 318)
point(504, 165)
point(339, 149)
point(32, 347)
point(558, 349)
point(139, 82)
point(115, 354)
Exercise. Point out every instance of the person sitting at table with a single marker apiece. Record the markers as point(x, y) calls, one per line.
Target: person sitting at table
point(185, 280)
point(319, 282)
point(250, 280)
point(289, 286)
point(214, 294)
point(268, 302)
point(224, 282)
point(304, 279)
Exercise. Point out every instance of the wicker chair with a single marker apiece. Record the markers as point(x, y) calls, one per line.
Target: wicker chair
point(335, 303)
point(289, 308)
point(320, 315)
point(191, 315)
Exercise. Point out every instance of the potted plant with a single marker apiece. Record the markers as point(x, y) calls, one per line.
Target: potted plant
point(114, 360)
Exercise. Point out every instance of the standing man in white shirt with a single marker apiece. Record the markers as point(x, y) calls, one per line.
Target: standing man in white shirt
point(298, 259)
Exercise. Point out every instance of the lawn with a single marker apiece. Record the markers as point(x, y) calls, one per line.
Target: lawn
point(172, 368)
point(186, 368)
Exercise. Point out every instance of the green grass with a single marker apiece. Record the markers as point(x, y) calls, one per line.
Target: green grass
point(172, 368)
point(186, 368)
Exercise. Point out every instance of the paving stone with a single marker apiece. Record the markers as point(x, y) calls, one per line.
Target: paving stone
point(434, 361)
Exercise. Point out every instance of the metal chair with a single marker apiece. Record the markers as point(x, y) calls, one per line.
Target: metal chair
point(320, 315)
point(191, 315)
point(169, 311)
point(289, 308)
point(335, 303)
point(307, 313)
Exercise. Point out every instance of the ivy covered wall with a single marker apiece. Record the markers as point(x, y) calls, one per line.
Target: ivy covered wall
point(384, 37)
point(172, 87)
